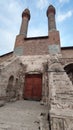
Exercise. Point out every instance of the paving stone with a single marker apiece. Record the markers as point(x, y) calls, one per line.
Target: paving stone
point(21, 115)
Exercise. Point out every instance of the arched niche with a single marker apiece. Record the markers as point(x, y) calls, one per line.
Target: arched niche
point(10, 82)
point(10, 88)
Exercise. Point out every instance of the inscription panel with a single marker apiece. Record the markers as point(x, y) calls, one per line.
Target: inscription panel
point(18, 51)
point(53, 49)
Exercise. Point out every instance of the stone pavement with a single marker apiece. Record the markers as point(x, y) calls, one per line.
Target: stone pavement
point(24, 115)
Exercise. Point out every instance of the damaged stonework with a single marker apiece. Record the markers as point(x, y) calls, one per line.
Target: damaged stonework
point(40, 69)
point(43, 121)
point(57, 88)
point(14, 71)
point(10, 79)
point(62, 122)
point(60, 97)
point(36, 65)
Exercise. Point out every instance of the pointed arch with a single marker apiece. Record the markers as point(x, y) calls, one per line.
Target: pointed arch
point(10, 88)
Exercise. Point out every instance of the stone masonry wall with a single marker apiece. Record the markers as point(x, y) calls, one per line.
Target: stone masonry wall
point(37, 65)
point(13, 74)
point(64, 123)
point(5, 57)
point(60, 96)
point(9, 69)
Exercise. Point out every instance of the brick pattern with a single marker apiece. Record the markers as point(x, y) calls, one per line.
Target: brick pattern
point(52, 23)
point(67, 53)
point(19, 40)
point(37, 46)
point(24, 26)
point(54, 37)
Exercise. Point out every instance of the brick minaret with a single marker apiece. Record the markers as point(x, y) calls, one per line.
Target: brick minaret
point(19, 43)
point(25, 20)
point(51, 17)
point(54, 38)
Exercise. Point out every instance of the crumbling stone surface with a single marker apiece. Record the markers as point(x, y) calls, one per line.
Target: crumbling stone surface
point(60, 97)
point(61, 123)
point(57, 89)
point(44, 123)
point(17, 67)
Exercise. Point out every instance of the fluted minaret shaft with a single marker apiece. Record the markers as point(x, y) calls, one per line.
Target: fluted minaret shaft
point(51, 18)
point(25, 21)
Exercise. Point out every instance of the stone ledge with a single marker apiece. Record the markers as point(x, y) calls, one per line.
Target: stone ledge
point(61, 113)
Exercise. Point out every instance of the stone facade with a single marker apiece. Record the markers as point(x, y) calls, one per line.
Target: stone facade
point(41, 55)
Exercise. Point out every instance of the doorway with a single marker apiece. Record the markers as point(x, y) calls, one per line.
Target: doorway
point(33, 87)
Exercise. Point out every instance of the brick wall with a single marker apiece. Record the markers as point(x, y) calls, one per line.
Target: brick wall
point(67, 52)
point(36, 46)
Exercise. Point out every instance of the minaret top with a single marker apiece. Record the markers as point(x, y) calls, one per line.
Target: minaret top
point(26, 13)
point(51, 9)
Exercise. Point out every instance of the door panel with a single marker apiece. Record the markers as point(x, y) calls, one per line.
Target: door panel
point(28, 87)
point(33, 87)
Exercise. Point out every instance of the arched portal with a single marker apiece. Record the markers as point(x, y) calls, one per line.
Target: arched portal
point(69, 71)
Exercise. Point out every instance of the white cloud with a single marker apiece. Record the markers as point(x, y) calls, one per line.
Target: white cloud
point(10, 15)
point(62, 17)
point(7, 41)
point(63, 1)
point(42, 3)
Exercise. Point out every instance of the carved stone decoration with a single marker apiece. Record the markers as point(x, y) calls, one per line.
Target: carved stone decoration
point(57, 124)
point(64, 123)
point(68, 123)
point(56, 67)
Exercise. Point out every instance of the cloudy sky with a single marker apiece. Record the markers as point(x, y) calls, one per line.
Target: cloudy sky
point(10, 20)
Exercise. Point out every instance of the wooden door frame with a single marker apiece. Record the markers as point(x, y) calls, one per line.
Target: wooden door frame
point(27, 74)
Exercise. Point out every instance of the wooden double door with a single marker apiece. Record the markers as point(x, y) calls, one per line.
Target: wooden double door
point(33, 87)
